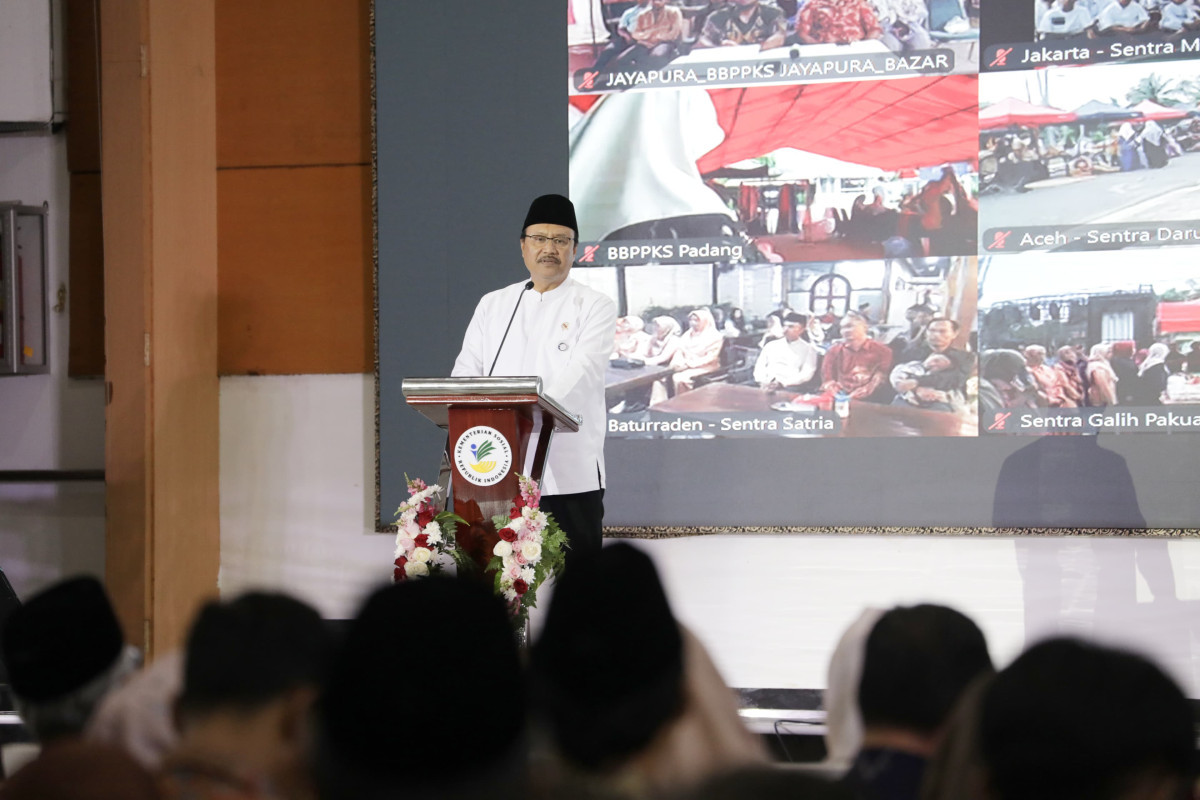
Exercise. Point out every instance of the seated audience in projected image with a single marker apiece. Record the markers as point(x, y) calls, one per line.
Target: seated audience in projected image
point(1070, 720)
point(1123, 16)
point(837, 22)
point(1101, 380)
point(64, 651)
point(1179, 16)
point(1069, 380)
point(425, 699)
point(252, 669)
point(630, 700)
point(1150, 384)
point(656, 34)
point(945, 386)
point(744, 22)
point(1053, 391)
point(621, 38)
point(918, 662)
point(1066, 18)
point(912, 373)
point(857, 364)
point(699, 350)
point(904, 24)
point(631, 340)
point(790, 362)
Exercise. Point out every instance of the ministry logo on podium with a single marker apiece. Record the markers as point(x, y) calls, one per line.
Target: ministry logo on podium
point(482, 455)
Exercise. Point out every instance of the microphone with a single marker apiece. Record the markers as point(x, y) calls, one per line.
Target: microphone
point(528, 286)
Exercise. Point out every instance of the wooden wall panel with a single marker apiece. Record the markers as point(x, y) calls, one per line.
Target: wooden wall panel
point(292, 82)
point(295, 271)
point(85, 295)
point(83, 87)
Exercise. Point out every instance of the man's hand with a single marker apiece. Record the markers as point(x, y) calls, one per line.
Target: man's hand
point(905, 385)
point(927, 394)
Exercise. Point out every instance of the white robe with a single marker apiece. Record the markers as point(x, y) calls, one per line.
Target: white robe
point(565, 337)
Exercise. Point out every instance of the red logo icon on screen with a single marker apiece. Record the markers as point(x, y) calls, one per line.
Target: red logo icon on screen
point(589, 253)
point(1001, 59)
point(999, 238)
point(588, 81)
point(1000, 421)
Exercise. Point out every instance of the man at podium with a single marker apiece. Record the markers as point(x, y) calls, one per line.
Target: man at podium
point(562, 332)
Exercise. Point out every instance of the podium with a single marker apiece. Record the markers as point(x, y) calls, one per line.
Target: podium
point(491, 423)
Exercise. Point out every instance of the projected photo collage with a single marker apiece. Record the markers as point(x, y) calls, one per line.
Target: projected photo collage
point(807, 252)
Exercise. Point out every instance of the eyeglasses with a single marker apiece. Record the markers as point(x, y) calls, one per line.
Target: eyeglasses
point(561, 242)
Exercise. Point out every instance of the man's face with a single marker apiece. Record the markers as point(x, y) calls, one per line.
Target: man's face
point(854, 331)
point(547, 262)
point(792, 331)
point(939, 335)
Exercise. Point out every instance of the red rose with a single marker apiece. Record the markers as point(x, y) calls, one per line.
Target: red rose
point(401, 561)
point(424, 518)
point(520, 587)
point(507, 534)
point(514, 513)
point(421, 541)
point(398, 573)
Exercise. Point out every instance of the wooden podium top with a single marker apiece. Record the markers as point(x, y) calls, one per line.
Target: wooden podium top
point(434, 397)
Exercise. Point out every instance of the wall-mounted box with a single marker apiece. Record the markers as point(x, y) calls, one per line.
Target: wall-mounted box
point(24, 310)
point(26, 64)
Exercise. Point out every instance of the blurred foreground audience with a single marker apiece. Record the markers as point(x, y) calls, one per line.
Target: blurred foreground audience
point(632, 702)
point(252, 670)
point(1070, 720)
point(427, 697)
point(917, 663)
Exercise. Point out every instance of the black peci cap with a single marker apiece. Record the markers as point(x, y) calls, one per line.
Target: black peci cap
point(552, 209)
point(61, 639)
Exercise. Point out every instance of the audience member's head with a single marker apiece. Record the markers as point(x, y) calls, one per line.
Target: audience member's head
point(77, 770)
point(425, 698)
point(917, 663)
point(631, 698)
point(609, 664)
point(1071, 720)
point(64, 651)
point(252, 669)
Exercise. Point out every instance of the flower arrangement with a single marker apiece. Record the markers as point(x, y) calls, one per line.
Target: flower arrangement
point(529, 548)
point(529, 551)
point(425, 534)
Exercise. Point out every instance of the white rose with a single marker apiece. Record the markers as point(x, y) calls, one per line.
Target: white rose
point(421, 555)
point(416, 569)
point(532, 550)
point(502, 549)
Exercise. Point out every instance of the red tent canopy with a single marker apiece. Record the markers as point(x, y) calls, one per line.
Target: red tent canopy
point(1011, 111)
point(1152, 110)
point(1179, 317)
point(892, 125)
